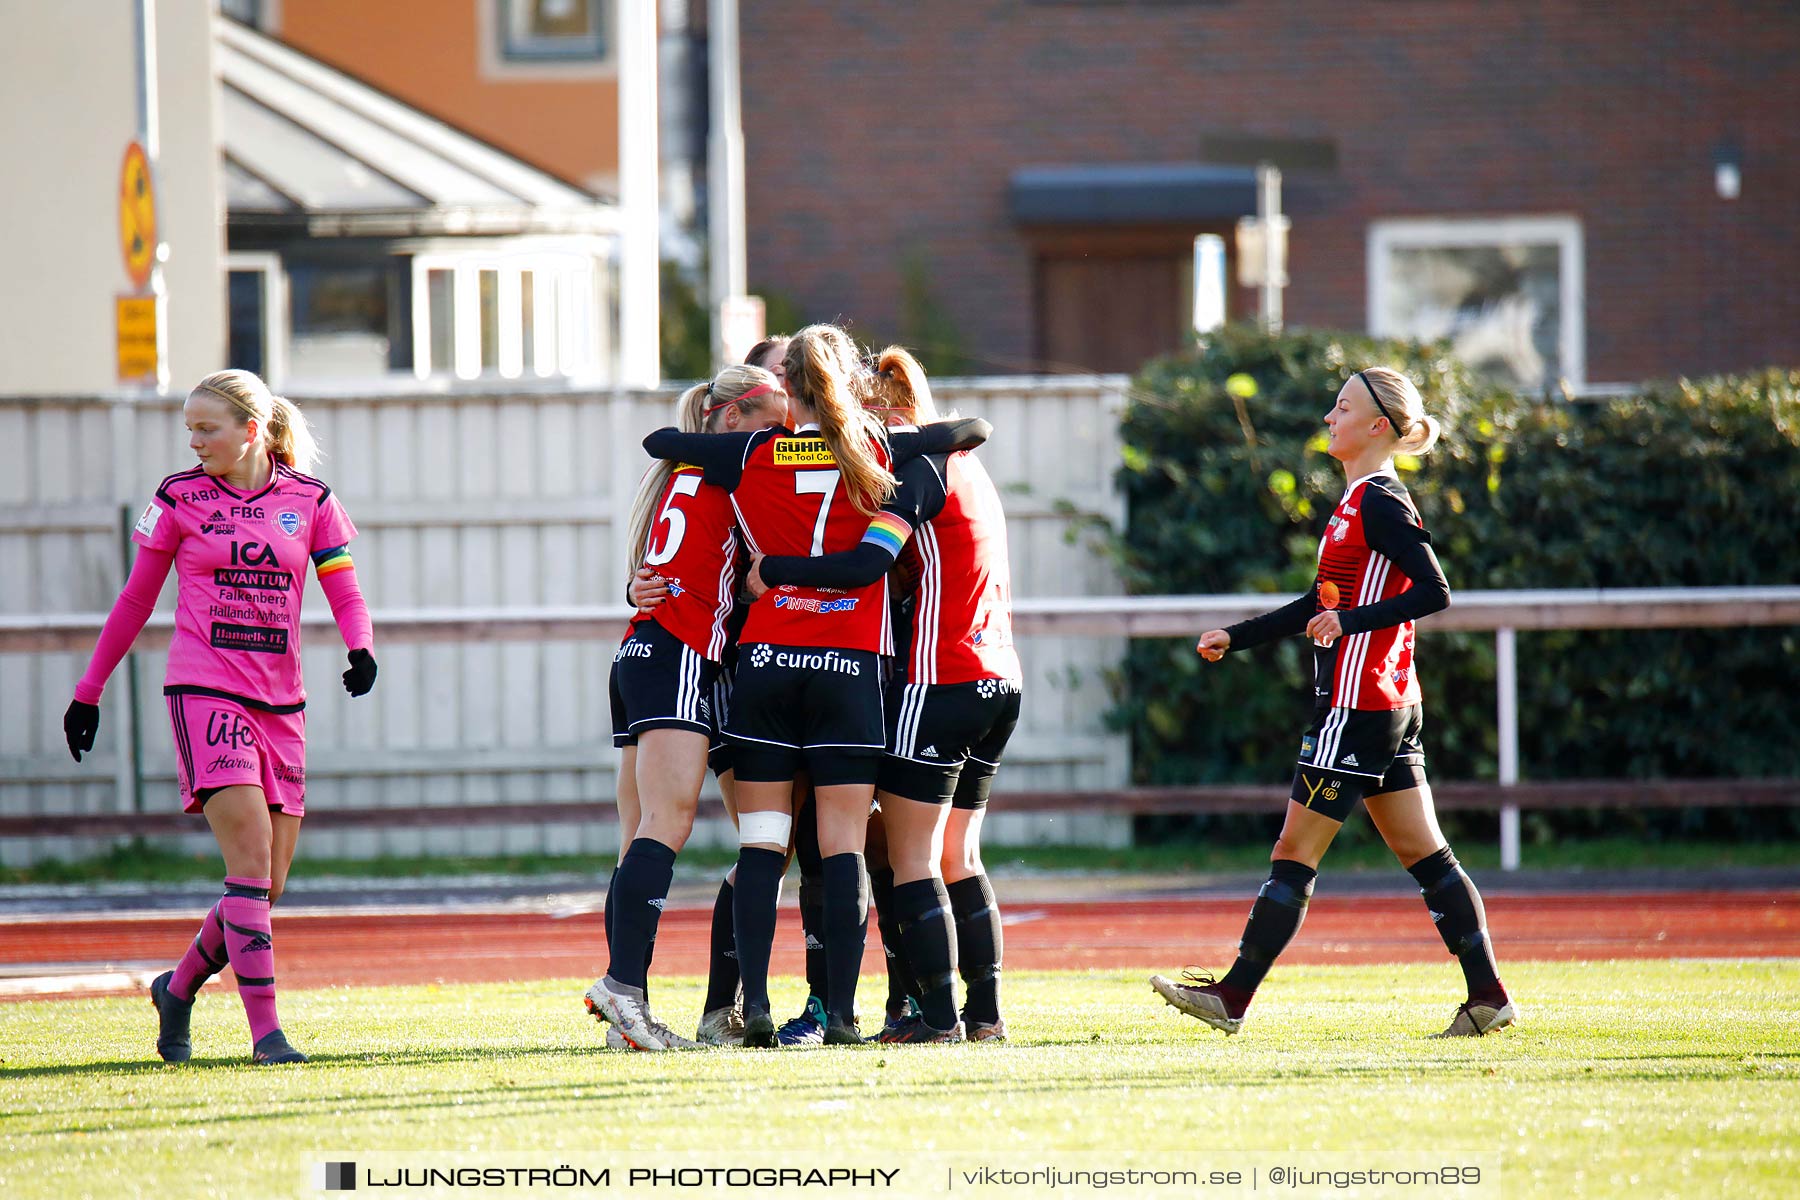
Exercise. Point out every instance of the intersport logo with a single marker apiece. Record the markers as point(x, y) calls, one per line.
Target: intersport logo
point(811, 604)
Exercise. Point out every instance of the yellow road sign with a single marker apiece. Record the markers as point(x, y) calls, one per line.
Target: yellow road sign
point(137, 215)
point(136, 325)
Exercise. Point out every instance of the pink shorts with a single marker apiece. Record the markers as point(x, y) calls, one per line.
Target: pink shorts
point(221, 743)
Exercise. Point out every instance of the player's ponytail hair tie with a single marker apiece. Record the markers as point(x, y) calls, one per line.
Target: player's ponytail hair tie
point(1396, 396)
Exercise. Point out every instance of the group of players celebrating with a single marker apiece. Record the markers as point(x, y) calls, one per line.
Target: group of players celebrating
point(854, 701)
point(823, 619)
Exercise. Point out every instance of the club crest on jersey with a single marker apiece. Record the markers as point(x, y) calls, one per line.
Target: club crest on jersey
point(803, 452)
point(1340, 528)
point(288, 522)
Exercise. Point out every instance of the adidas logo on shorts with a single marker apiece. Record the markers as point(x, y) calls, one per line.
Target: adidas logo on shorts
point(1350, 761)
point(929, 752)
point(657, 903)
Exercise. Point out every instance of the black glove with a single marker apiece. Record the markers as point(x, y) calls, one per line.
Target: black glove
point(361, 675)
point(80, 723)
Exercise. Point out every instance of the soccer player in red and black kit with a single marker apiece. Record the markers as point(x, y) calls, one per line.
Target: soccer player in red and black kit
point(1377, 575)
point(808, 689)
point(952, 708)
point(662, 689)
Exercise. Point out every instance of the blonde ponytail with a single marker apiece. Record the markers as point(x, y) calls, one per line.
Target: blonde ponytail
point(290, 437)
point(820, 364)
point(286, 433)
point(750, 389)
point(1399, 401)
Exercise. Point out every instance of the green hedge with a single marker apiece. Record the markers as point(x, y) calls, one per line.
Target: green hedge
point(1685, 484)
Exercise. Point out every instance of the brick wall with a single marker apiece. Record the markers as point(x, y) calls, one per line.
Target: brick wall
point(881, 130)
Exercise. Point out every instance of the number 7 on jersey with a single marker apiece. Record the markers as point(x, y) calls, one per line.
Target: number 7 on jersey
point(817, 483)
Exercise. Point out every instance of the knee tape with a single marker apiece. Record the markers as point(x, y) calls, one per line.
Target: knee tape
point(764, 828)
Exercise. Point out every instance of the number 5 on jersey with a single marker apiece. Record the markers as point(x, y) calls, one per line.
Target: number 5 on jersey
point(817, 483)
point(680, 485)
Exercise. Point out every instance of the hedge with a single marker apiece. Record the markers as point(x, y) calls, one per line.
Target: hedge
point(1689, 483)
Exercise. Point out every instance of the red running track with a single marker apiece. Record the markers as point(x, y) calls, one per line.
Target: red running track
point(330, 950)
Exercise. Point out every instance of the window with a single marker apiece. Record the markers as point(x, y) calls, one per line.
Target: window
point(552, 30)
point(523, 317)
point(256, 315)
point(258, 14)
point(1507, 293)
point(339, 318)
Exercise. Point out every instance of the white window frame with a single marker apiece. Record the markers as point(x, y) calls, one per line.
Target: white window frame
point(562, 284)
point(1564, 232)
point(491, 37)
point(275, 308)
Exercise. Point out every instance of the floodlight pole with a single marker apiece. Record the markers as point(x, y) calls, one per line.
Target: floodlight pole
point(727, 252)
point(1268, 214)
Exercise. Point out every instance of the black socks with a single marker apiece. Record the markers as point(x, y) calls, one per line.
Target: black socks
point(634, 905)
point(1274, 919)
point(979, 947)
point(1456, 908)
point(722, 974)
point(754, 898)
point(901, 983)
point(928, 934)
point(846, 924)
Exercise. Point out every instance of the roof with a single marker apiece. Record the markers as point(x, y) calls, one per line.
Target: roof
point(1130, 192)
point(302, 140)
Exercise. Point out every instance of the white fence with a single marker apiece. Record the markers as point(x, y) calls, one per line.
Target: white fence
point(505, 501)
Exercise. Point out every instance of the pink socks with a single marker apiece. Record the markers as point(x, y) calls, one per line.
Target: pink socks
point(244, 911)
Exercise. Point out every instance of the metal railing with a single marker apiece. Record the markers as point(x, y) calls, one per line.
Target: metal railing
point(1502, 613)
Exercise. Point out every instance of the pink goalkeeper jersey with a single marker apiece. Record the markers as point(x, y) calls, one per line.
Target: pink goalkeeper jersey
point(240, 568)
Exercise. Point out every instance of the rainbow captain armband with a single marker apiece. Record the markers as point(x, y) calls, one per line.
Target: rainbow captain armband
point(331, 561)
point(889, 531)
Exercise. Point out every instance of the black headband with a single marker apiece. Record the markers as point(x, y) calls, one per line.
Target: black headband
point(1376, 397)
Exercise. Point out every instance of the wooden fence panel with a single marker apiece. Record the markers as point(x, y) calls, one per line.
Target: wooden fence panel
point(462, 500)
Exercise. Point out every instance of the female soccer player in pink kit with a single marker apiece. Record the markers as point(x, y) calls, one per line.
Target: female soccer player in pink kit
point(238, 530)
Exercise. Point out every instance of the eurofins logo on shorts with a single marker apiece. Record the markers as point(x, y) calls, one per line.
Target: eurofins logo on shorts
point(632, 648)
point(830, 660)
point(812, 604)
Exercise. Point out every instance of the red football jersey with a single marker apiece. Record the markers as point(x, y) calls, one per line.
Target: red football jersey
point(1372, 670)
point(792, 500)
point(693, 546)
point(962, 623)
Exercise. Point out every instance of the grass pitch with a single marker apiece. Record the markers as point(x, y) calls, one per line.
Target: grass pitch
point(1639, 1078)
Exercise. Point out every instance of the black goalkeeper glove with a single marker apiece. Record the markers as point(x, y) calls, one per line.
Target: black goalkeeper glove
point(80, 723)
point(361, 675)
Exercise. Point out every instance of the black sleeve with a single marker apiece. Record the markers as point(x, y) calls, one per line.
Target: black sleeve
point(920, 497)
point(720, 456)
point(1286, 621)
point(939, 437)
point(1390, 530)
